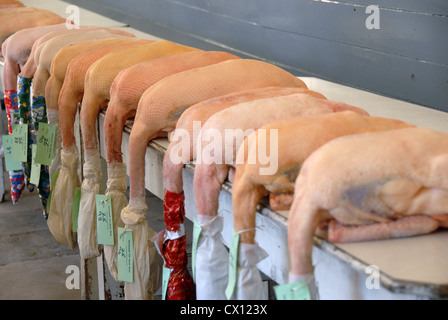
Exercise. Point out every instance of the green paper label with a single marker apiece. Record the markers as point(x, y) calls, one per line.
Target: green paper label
point(233, 264)
point(10, 164)
point(20, 142)
point(75, 209)
point(165, 278)
point(35, 167)
point(197, 229)
point(125, 255)
point(292, 291)
point(45, 143)
point(104, 221)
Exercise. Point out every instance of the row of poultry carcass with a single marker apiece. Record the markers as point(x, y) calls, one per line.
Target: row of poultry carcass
point(371, 181)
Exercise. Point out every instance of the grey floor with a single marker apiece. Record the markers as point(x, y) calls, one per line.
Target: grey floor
point(33, 264)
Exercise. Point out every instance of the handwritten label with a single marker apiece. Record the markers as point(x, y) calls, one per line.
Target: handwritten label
point(104, 221)
point(125, 255)
point(10, 164)
point(165, 278)
point(233, 264)
point(292, 291)
point(20, 142)
point(45, 143)
point(75, 209)
point(35, 167)
point(197, 229)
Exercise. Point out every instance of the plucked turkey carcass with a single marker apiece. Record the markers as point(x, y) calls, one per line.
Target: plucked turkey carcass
point(221, 137)
point(157, 113)
point(4, 4)
point(125, 92)
point(16, 19)
point(16, 51)
point(184, 138)
point(294, 140)
point(182, 149)
point(72, 90)
point(19, 58)
point(43, 57)
point(98, 82)
point(60, 222)
point(373, 186)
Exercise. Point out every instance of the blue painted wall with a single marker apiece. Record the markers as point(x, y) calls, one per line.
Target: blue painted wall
point(407, 58)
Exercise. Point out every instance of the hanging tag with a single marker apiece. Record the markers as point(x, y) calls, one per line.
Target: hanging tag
point(10, 164)
point(165, 278)
point(125, 255)
point(233, 264)
point(197, 229)
point(293, 291)
point(35, 167)
point(45, 143)
point(75, 209)
point(104, 222)
point(20, 142)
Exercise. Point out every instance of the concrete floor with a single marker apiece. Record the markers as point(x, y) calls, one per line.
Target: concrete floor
point(33, 263)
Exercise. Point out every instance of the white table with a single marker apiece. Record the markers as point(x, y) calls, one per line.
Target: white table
point(415, 267)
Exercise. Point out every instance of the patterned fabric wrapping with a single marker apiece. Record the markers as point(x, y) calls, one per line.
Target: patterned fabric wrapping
point(44, 188)
point(12, 108)
point(12, 111)
point(17, 185)
point(180, 284)
point(39, 114)
point(24, 86)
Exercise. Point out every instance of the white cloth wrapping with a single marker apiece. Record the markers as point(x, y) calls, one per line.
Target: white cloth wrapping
point(53, 118)
point(212, 260)
point(88, 246)
point(60, 219)
point(147, 262)
point(116, 189)
point(309, 280)
point(249, 285)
